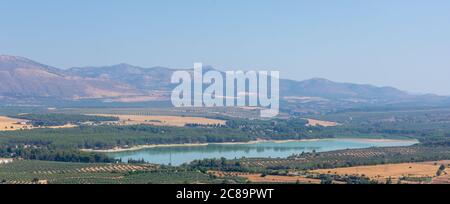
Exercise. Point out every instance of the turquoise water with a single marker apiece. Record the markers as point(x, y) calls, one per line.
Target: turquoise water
point(179, 155)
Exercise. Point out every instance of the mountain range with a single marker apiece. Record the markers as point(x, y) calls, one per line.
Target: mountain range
point(22, 78)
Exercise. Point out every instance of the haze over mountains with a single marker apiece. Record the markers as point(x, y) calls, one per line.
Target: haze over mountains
point(23, 78)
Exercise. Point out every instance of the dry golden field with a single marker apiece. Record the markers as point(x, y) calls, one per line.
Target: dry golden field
point(61, 126)
point(161, 120)
point(382, 173)
point(313, 122)
point(11, 124)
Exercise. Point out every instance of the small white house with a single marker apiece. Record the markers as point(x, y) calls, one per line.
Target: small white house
point(5, 160)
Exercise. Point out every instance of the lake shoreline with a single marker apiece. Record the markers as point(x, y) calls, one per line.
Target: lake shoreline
point(141, 147)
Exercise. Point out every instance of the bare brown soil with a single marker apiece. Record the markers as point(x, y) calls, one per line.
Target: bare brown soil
point(381, 173)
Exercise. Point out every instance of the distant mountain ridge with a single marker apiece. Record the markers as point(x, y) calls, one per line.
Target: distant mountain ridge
point(144, 79)
point(329, 89)
point(21, 77)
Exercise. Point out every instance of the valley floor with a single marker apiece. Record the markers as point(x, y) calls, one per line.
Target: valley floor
point(423, 163)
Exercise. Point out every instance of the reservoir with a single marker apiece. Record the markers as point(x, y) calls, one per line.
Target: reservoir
point(178, 155)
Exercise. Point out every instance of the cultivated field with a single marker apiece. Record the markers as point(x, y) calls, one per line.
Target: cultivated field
point(45, 172)
point(258, 178)
point(416, 172)
point(178, 121)
point(11, 124)
point(349, 158)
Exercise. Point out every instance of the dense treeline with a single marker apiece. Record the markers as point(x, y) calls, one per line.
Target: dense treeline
point(221, 164)
point(53, 119)
point(104, 137)
point(49, 154)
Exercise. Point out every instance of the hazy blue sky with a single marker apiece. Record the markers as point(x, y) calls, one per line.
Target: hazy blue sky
point(401, 43)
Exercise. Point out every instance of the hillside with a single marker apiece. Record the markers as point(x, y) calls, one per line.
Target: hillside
point(21, 77)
